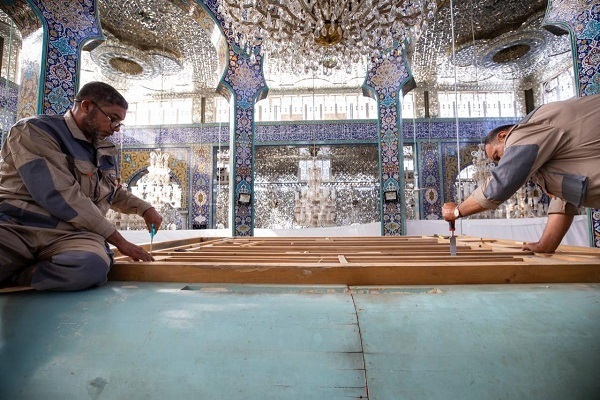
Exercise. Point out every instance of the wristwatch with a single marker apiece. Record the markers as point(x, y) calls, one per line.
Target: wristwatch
point(456, 212)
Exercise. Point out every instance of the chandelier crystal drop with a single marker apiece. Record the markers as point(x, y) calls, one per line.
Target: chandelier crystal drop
point(325, 33)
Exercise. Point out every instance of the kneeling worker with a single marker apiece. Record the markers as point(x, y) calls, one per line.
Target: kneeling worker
point(557, 146)
point(58, 177)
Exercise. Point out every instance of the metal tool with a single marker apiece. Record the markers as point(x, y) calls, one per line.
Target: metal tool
point(452, 239)
point(152, 233)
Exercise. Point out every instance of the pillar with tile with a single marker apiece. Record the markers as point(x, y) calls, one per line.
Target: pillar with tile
point(244, 79)
point(387, 79)
point(69, 28)
point(244, 83)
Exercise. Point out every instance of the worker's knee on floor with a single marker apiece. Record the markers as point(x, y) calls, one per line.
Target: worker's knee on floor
point(69, 271)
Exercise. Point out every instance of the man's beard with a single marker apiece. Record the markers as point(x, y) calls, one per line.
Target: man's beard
point(90, 129)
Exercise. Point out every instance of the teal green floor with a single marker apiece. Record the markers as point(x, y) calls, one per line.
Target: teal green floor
point(175, 341)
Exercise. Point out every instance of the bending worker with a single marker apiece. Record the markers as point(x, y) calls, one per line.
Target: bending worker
point(557, 146)
point(58, 177)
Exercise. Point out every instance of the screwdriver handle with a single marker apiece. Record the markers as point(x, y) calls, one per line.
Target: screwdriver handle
point(152, 230)
point(452, 225)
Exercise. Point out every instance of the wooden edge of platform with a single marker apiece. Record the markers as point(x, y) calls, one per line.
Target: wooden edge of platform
point(359, 274)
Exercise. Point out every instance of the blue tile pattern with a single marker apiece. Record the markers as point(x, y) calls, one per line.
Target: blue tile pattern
point(203, 138)
point(386, 78)
point(430, 201)
point(201, 185)
point(307, 132)
point(70, 24)
point(582, 19)
point(245, 80)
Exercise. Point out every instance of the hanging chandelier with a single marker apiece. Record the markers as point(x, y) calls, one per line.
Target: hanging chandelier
point(327, 33)
point(315, 203)
point(156, 187)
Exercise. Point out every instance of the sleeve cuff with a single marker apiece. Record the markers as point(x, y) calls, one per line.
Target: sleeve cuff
point(560, 206)
point(143, 207)
point(483, 201)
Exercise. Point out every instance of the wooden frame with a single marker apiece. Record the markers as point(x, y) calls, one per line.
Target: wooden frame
point(399, 260)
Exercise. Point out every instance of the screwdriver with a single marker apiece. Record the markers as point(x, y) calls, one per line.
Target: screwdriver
point(152, 233)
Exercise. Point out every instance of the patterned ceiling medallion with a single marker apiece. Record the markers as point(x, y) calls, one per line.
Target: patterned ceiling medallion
point(126, 66)
point(511, 53)
point(125, 62)
point(132, 63)
point(514, 55)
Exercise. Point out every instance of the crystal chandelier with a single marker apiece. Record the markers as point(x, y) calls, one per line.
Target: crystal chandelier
point(156, 187)
point(325, 33)
point(315, 203)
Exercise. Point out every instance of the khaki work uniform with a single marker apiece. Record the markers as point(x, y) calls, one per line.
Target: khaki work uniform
point(557, 146)
point(55, 190)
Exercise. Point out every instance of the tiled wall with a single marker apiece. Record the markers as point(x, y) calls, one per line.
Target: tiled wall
point(436, 152)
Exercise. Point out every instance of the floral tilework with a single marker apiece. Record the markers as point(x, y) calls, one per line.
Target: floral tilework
point(306, 132)
point(201, 201)
point(386, 78)
point(30, 79)
point(245, 79)
point(450, 165)
point(70, 24)
point(582, 19)
point(430, 185)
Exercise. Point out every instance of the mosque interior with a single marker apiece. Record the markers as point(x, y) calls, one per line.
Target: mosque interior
point(255, 118)
point(470, 66)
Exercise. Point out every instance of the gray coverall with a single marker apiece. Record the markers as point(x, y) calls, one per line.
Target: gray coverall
point(558, 147)
point(55, 190)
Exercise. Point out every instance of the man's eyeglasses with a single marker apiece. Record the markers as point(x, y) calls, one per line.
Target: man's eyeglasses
point(113, 124)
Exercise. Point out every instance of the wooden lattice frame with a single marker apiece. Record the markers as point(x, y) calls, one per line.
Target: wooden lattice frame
point(405, 260)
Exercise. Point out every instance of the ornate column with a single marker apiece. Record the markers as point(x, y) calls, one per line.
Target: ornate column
point(69, 28)
point(581, 18)
point(430, 182)
point(246, 82)
point(386, 78)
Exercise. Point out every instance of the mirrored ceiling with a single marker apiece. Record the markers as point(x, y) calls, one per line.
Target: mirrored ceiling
point(171, 47)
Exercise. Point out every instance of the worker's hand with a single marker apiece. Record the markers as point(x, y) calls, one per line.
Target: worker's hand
point(448, 211)
point(554, 232)
point(151, 216)
point(537, 247)
point(135, 252)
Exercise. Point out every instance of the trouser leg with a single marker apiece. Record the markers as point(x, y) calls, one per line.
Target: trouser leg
point(70, 270)
point(59, 259)
point(76, 261)
point(15, 251)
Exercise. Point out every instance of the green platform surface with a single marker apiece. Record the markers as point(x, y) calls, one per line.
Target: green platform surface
point(133, 340)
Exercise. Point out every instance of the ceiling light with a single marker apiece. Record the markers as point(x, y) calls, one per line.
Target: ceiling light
point(328, 34)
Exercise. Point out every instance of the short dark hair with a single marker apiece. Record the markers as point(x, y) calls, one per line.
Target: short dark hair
point(493, 135)
point(102, 94)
